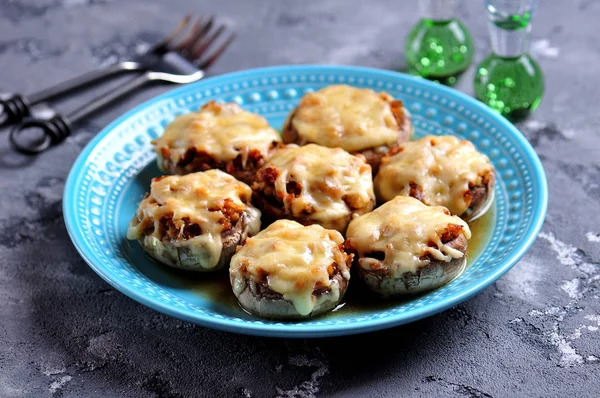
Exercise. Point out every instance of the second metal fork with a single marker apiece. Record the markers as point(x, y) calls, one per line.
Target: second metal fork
point(185, 63)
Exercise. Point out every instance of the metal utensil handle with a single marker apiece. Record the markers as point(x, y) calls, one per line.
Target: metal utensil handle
point(49, 132)
point(55, 128)
point(15, 107)
point(80, 81)
point(106, 98)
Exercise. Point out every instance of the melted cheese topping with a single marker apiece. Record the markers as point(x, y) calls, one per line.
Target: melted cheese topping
point(223, 131)
point(402, 229)
point(194, 199)
point(329, 177)
point(443, 168)
point(347, 117)
point(297, 259)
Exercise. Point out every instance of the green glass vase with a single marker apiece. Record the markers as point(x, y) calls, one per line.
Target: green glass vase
point(439, 46)
point(509, 80)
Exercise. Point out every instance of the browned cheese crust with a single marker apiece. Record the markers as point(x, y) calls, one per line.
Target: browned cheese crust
point(407, 247)
point(372, 154)
point(292, 203)
point(194, 239)
point(290, 271)
point(235, 222)
point(438, 170)
point(269, 304)
point(218, 136)
point(435, 274)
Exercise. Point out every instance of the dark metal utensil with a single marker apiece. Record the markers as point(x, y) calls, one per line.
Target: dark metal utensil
point(186, 64)
point(15, 107)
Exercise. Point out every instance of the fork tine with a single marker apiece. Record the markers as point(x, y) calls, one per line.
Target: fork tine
point(187, 42)
point(216, 54)
point(208, 26)
point(205, 44)
point(169, 39)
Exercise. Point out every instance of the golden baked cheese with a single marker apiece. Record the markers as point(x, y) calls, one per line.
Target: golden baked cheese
point(443, 168)
point(406, 231)
point(222, 131)
point(296, 260)
point(333, 183)
point(347, 117)
point(196, 198)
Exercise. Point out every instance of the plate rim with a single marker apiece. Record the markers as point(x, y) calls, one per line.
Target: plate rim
point(292, 330)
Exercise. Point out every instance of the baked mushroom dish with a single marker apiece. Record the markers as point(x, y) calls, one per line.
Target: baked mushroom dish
point(194, 222)
point(218, 136)
point(406, 247)
point(290, 271)
point(357, 120)
point(313, 184)
point(443, 171)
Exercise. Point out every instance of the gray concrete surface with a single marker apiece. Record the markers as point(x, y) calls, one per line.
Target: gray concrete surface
point(65, 332)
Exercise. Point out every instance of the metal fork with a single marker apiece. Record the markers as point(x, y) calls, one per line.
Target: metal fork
point(186, 63)
point(15, 107)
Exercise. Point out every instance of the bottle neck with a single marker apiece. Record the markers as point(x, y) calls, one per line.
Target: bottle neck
point(438, 10)
point(509, 43)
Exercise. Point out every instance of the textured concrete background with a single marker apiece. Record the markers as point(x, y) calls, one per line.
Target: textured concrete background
point(65, 332)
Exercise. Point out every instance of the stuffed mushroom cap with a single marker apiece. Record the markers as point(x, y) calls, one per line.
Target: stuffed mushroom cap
point(354, 119)
point(439, 171)
point(195, 221)
point(218, 136)
point(405, 246)
point(290, 271)
point(313, 184)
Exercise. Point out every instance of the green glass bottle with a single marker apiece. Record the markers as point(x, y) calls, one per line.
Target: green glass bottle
point(439, 46)
point(509, 80)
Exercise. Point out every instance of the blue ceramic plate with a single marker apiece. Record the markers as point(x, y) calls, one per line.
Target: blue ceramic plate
point(113, 172)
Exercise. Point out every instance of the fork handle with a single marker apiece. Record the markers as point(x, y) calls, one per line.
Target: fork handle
point(83, 80)
point(47, 132)
point(107, 98)
point(54, 128)
point(15, 107)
